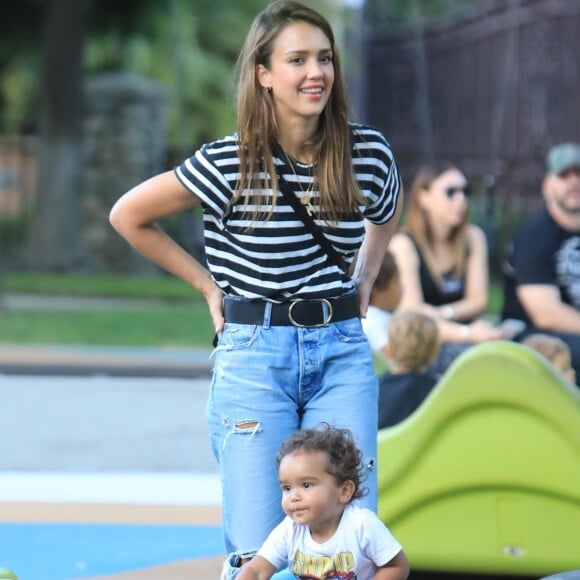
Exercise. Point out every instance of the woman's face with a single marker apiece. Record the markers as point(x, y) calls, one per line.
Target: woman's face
point(301, 72)
point(445, 200)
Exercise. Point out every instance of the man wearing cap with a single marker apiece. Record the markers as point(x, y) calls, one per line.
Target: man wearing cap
point(542, 284)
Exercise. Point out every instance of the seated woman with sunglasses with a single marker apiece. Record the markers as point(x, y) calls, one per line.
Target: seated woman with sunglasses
point(442, 260)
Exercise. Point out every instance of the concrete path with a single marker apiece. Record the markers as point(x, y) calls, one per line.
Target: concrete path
point(101, 423)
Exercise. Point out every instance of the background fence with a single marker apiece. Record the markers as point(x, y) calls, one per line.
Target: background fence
point(491, 91)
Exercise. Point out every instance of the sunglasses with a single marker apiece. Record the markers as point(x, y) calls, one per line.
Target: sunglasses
point(451, 191)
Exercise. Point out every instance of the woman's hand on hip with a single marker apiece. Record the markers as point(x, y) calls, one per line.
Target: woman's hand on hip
point(363, 289)
point(215, 300)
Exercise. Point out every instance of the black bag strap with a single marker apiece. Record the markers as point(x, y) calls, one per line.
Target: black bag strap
point(316, 232)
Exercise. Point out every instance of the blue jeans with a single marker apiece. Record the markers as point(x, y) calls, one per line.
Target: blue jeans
point(267, 383)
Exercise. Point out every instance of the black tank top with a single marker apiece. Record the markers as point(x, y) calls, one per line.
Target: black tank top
point(451, 290)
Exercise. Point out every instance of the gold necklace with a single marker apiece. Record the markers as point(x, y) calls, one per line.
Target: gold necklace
point(306, 197)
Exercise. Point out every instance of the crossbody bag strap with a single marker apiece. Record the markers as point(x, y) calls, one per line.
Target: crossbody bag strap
point(310, 224)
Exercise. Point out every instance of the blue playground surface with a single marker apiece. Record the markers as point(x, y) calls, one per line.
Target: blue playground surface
point(66, 551)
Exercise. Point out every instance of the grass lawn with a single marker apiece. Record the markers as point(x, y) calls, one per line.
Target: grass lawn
point(182, 319)
point(165, 287)
point(178, 325)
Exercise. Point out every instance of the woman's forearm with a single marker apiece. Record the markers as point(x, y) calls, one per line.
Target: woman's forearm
point(153, 243)
point(370, 256)
point(463, 310)
point(135, 216)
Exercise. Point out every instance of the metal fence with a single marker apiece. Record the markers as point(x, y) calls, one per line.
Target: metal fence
point(491, 92)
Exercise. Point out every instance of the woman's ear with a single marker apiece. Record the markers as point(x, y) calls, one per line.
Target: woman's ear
point(263, 76)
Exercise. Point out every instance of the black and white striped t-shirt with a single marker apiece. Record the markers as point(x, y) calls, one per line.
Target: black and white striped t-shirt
point(278, 258)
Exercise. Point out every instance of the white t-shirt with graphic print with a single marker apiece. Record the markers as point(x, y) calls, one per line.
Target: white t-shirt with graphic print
point(359, 546)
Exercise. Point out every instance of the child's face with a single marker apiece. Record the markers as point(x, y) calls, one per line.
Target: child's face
point(389, 298)
point(310, 495)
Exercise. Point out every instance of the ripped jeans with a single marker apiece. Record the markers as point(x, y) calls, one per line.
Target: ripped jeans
point(267, 383)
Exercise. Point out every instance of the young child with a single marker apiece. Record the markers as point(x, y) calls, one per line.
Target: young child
point(555, 350)
point(325, 536)
point(384, 299)
point(413, 345)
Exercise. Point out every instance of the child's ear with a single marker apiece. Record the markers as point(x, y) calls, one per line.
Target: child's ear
point(347, 491)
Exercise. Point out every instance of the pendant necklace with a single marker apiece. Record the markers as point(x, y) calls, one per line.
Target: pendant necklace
point(306, 197)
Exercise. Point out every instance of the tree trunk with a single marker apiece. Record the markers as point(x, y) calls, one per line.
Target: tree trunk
point(54, 241)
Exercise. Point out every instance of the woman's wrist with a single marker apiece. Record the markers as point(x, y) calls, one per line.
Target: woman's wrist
point(448, 312)
point(465, 332)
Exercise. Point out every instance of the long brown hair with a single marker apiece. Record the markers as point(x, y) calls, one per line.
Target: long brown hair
point(419, 227)
point(257, 128)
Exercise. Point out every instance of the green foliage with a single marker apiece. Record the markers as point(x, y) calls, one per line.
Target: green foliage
point(19, 93)
point(13, 230)
point(182, 45)
point(20, 29)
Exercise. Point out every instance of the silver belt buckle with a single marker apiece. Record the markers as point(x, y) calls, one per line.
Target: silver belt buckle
point(324, 323)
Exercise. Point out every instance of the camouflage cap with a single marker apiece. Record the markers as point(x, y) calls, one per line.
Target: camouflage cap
point(562, 157)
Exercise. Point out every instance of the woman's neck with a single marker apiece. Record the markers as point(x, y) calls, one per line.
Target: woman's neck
point(440, 234)
point(296, 140)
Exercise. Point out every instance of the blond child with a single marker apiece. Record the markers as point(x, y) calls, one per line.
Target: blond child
point(555, 350)
point(413, 345)
point(325, 535)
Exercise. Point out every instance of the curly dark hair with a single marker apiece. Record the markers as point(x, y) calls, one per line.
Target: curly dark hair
point(345, 461)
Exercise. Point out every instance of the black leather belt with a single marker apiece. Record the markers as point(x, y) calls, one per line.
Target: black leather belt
point(301, 313)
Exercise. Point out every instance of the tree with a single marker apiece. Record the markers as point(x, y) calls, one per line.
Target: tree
point(54, 235)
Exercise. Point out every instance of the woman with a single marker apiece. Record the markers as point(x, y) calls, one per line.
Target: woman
point(442, 260)
point(291, 352)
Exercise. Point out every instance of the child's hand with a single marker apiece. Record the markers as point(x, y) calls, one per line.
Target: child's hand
point(258, 568)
